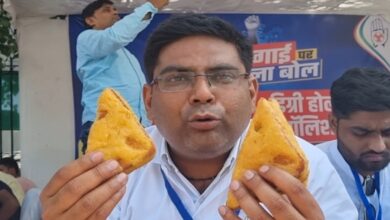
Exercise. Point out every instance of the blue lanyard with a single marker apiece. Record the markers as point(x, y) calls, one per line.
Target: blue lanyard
point(175, 199)
point(177, 202)
point(369, 209)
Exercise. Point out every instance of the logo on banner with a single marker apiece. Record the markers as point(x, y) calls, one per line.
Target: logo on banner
point(372, 34)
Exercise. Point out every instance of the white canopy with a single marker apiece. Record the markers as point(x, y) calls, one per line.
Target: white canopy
point(33, 8)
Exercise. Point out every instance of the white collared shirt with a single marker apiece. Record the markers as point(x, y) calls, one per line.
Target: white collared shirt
point(146, 196)
point(342, 167)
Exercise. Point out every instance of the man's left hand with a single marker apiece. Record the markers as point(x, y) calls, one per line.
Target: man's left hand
point(266, 186)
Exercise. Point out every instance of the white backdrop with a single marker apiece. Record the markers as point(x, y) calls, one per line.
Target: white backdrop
point(46, 99)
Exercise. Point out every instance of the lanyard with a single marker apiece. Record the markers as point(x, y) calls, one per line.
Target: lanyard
point(175, 199)
point(177, 202)
point(369, 209)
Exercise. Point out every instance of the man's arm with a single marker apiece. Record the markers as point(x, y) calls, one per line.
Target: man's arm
point(87, 188)
point(8, 204)
point(99, 43)
point(295, 202)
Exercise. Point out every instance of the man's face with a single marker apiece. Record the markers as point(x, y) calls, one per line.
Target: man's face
point(203, 121)
point(103, 17)
point(364, 140)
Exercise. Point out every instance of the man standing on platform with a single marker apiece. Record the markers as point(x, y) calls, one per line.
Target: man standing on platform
point(103, 61)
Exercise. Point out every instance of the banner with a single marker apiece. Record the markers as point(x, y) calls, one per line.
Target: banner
point(295, 59)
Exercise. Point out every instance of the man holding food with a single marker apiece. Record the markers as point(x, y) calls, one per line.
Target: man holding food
point(201, 100)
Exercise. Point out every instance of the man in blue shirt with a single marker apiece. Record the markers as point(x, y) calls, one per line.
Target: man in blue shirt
point(103, 61)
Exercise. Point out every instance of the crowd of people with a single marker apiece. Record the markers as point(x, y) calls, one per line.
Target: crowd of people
point(196, 99)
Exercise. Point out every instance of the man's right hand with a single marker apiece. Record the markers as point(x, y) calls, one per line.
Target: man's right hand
point(159, 3)
point(87, 188)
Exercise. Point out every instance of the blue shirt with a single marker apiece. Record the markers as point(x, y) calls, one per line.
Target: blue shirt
point(103, 61)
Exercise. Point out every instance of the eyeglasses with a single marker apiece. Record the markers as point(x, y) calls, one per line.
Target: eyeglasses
point(177, 81)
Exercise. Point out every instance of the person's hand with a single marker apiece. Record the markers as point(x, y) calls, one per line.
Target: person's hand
point(252, 23)
point(87, 188)
point(159, 3)
point(379, 34)
point(296, 203)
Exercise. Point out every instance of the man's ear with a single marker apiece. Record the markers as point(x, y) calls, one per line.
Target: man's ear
point(147, 95)
point(332, 122)
point(90, 21)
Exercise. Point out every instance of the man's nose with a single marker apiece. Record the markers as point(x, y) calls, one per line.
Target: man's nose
point(201, 90)
point(378, 143)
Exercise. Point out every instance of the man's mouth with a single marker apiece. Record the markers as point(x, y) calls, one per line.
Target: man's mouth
point(373, 157)
point(204, 122)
